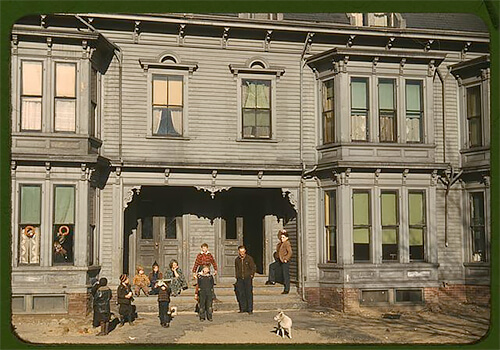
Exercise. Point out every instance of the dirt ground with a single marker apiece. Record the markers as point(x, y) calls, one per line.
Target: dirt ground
point(457, 325)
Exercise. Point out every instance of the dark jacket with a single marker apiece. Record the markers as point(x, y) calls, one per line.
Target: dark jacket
point(101, 300)
point(164, 294)
point(205, 282)
point(153, 277)
point(121, 292)
point(245, 267)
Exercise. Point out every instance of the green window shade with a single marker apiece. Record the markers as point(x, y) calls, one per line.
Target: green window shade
point(361, 208)
point(389, 236)
point(64, 205)
point(30, 205)
point(361, 236)
point(386, 94)
point(416, 203)
point(256, 94)
point(359, 93)
point(416, 236)
point(474, 101)
point(413, 96)
point(389, 209)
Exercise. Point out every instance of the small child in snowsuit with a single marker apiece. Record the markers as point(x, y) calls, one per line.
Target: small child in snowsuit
point(205, 293)
point(124, 300)
point(164, 303)
point(141, 281)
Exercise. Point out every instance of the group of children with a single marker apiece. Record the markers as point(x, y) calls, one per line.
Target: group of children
point(154, 284)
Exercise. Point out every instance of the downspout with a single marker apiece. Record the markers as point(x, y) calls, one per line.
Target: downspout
point(300, 223)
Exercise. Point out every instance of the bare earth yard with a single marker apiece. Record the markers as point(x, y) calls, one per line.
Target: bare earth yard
point(459, 324)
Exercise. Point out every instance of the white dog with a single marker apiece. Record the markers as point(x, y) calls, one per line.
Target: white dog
point(284, 325)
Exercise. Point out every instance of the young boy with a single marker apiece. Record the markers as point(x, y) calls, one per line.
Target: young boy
point(164, 303)
point(141, 281)
point(205, 293)
point(102, 296)
point(124, 299)
point(204, 258)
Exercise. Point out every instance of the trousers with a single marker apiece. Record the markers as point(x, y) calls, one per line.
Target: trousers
point(244, 294)
point(205, 301)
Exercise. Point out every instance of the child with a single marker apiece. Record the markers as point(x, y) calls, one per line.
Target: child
point(102, 310)
point(154, 276)
point(204, 258)
point(141, 281)
point(163, 303)
point(205, 293)
point(124, 299)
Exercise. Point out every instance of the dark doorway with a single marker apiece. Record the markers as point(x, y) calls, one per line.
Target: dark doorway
point(253, 239)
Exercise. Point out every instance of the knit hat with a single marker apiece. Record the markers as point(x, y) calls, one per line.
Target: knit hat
point(123, 278)
point(103, 281)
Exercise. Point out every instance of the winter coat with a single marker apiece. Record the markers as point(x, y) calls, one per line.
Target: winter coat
point(284, 250)
point(102, 298)
point(245, 267)
point(121, 292)
point(141, 280)
point(164, 294)
point(154, 277)
point(204, 259)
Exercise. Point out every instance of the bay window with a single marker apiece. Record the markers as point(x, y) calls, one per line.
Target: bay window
point(361, 225)
point(30, 224)
point(63, 225)
point(414, 111)
point(390, 225)
point(359, 109)
point(417, 225)
point(387, 110)
point(65, 97)
point(331, 226)
point(328, 114)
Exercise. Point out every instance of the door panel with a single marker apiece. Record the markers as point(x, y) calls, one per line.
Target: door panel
point(291, 228)
point(170, 242)
point(232, 237)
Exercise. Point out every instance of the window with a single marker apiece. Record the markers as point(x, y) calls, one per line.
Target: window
point(417, 222)
point(31, 95)
point(374, 296)
point(171, 227)
point(474, 116)
point(29, 224)
point(328, 112)
point(361, 225)
point(64, 225)
point(387, 110)
point(409, 296)
point(477, 227)
point(231, 231)
point(414, 111)
point(331, 226)
point(168, 103)
point(93, 102)
point(65, 97)
point(359, 109)
point(147, 228)
point(390, 225)
point(256, 108)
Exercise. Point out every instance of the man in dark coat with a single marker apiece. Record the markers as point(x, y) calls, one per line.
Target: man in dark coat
point(124, 299)
point(102, 310)
point(245, 270)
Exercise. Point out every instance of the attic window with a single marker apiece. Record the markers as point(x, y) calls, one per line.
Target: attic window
point(378, 19)
point(168, 59)
point(268, 16)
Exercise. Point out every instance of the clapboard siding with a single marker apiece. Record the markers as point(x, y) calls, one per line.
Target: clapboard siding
point(107, 230)
point(212, 106)
point(312, 233)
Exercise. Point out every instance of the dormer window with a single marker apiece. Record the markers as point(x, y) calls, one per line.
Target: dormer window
point(377, 19)
point(268, 16)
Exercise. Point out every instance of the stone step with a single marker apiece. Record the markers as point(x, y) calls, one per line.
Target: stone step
point(227, 306)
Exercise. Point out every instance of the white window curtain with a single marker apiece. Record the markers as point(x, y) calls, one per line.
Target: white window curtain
point(31, 113)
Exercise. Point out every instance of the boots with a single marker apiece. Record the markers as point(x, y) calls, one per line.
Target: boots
point(106, 328)
point(103, 328)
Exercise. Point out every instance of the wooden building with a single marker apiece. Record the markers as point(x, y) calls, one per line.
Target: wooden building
point(135, 138)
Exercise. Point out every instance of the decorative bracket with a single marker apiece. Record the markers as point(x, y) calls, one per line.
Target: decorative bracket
point(466, 48)
point(485, 179)
point(49, 46)
point(336, 177)
point(86, 49)
point(350, 40)
point(405, 176)
point(347, 174)
point(43, 23)
point(225, 37)
point(390, 43)
point(377, 176)
point(374, 65)
point(427, 46)
point(309, 42)
point(181, 34)
point(335, 67)
point(167, 175)
point(485, 74)
point(292, 197)
point(267, 40)
point(129, 195)
point(213, 189)
point(431, 67)
point(48, 166)
point(434, 177)
point(401, 66)
point(15, 42)
point(137, 31)
point(259, 178)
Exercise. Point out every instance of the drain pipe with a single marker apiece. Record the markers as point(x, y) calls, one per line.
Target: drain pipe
point(300, 223)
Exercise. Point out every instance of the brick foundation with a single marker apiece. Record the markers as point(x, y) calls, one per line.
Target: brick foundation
point(347, 299)
point(79, 304)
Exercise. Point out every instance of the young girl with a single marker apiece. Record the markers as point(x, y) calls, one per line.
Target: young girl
point(175, 274)
point(163, 303)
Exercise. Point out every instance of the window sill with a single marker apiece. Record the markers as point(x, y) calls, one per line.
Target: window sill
point(474, 149)
point(257, 140)
point(179, 138)
point(477, 264)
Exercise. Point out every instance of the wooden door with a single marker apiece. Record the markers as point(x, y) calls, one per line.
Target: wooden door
point(232, 237)
point(158, 239)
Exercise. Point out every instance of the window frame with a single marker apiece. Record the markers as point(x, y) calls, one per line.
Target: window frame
point(396, 226)
point(367, 110)
point(55, 98)
point(421, 112)
point(41, 226)
point(424, 226)
point(53, 224)
point(185, 100)
point(380, 111)
point(468, 118)
point(21, 94)
point(471, 227)
point(323, 89)
point(369, 226)
point(330, 193)
point(272, 128)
